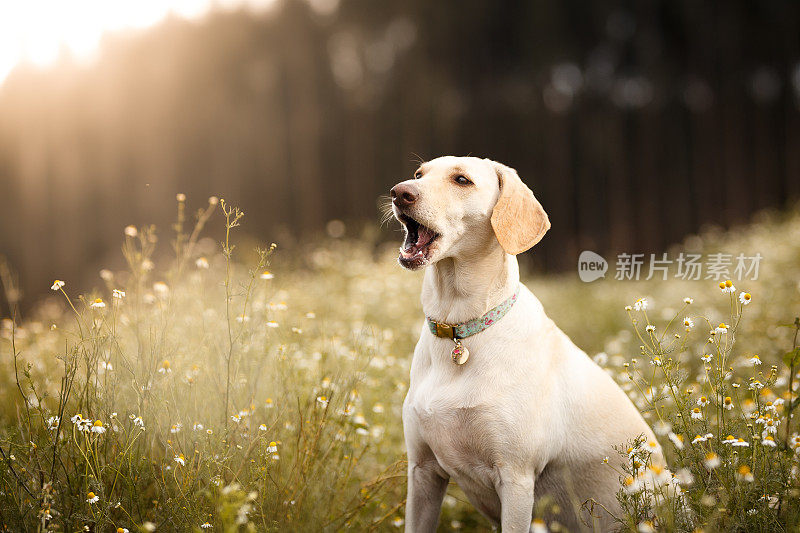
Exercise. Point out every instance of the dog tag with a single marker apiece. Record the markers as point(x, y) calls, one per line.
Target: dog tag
point(460, 354)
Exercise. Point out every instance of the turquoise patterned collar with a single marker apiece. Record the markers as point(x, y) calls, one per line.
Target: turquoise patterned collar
point(476, 325)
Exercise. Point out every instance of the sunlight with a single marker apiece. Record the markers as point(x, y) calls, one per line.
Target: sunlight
point(40, 31)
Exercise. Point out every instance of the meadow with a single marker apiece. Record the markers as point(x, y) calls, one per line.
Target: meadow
point(213, 386)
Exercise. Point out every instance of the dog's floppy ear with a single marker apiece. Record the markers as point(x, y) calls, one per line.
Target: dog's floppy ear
point(519, 220)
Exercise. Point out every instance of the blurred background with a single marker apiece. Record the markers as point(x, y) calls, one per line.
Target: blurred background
point(635, 123)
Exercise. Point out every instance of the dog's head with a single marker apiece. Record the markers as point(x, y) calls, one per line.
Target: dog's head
point(457, 206)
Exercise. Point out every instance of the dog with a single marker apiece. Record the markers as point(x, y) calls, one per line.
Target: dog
point(511, 410)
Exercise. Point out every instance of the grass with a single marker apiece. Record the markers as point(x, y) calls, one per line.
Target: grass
point(255, 391)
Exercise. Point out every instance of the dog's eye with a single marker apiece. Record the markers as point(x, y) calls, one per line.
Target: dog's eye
point(417, 174)
point(461, 180)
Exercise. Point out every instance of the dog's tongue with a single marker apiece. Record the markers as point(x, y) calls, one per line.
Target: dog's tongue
point(425, 236)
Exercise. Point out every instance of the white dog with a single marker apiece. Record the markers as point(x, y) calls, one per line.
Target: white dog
point(500, 400)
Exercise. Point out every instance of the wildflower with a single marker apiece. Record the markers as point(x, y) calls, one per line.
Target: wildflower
point(262, 427)
point(267, 275)
point(311, 314)
point(180, 459)
point(198, 427)
point(131, 231)
point(201, 262)
point(697, 414)
point(745, 474)
point(236, 418)
point(745, 298)
point(702, 401)
point(711, 461)
point(730, 439)
point(123, 530)
point(52, 422)
point(727, 403)
point(537, 526)
point(160, 288)
point(92, 497)
point(650, 328)
point(138, 422)
point(176, 428)
point(57, 284)
point(646, 527)
point(640, 304)
point(684, 476)
point(740, 443)
point(755, 385)
point(676, 439)
point(771, 426)
point(76, 419)
point(322, 401)
point(662, 428)
point(727, 286)
point(98, 428)
point(722, 329)
point(768, 440)
point(118, 294)
point(272, 324)
point(706, 357)
point(688, 324)
point(165, 367)
point(242, 318)
point(656, 361)
point(699, 438)
point(398, 522)
point(688, 300)
point(98, 304)
point(269, 404)
point(206, 525)
point(755, 360)
point(628, 308)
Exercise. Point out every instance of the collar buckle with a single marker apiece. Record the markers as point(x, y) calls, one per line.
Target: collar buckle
point(445, 330)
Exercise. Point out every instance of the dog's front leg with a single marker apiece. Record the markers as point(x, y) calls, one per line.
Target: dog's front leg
point(426, 489)
point(516, 503)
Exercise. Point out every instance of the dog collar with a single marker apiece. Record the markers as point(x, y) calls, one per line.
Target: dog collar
point(467, 329)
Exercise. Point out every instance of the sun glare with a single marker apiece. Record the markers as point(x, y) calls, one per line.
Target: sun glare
point(40, 31)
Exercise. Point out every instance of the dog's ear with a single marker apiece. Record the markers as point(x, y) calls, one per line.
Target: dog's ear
point(519, 220)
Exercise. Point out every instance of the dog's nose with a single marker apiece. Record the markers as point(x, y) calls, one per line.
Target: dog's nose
point(404, 194)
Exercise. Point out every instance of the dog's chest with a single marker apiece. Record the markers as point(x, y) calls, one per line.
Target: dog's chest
point(467, 436)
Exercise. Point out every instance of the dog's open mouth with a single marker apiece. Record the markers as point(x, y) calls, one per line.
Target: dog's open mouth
point(416, 249)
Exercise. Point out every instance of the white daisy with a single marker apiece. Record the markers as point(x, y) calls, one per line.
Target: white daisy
point(57, 284)
point(755, 360)
point(180, 459)
point(118, 294)
point(697, 414)
point(206, 525)
point(702, 401)
point(640, 304)
point(722, 329)
point(92, 497)
point(688, 300)
point(740, 443)
point(711, 461)
point(727, 286)
point(267, 275)
point(98, 303)
point(650, 328)
point(745, 298)
point(201, 262)
point(768, 440)
point(706, 357)
point(688, 324)
point(98, 427)
point(727, 403)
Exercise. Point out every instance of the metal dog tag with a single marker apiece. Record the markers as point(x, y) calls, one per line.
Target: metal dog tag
point(460, 353)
